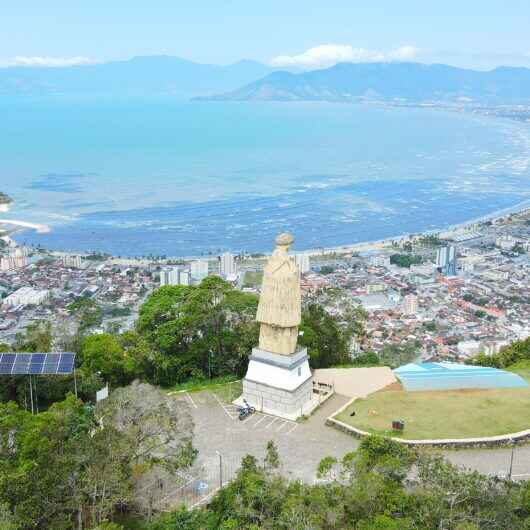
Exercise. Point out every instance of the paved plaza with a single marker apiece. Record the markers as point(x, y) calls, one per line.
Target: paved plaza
point(301, 445)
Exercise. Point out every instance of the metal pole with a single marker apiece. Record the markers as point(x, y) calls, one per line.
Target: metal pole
point(31, 395)
point(511, 461)
point(36, 395)
point(75, 384)
point(220, 469)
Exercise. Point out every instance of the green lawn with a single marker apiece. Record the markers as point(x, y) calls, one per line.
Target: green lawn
point(443, 414)
point(225, 388)
point(253, 278)
point(522, 368)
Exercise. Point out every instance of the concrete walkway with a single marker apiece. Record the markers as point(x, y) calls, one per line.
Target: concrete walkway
point(356, 382)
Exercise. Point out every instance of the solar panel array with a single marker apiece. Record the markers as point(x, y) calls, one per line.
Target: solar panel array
point(36, 363)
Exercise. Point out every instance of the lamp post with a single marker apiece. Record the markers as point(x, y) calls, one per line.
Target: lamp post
point(511, 459)
point(220, 469)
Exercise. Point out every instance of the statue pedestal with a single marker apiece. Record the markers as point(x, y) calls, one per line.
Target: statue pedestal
point(281, 385)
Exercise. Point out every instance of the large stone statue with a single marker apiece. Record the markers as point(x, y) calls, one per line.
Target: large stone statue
point(278, 379)
point(280, 303)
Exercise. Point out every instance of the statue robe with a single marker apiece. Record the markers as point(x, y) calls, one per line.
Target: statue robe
point(279, 309)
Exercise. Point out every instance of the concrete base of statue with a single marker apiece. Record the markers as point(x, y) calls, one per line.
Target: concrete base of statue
point(280, 385)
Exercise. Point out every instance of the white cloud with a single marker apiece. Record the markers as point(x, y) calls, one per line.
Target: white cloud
point(48, 62)
point(404, 53)
point(327, 55)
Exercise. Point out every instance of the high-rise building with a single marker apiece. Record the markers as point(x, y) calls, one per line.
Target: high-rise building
point(75, 262)
point(302, 260)
point(184, 277)
point(170, 276)
point(199, 270)
point(410, 304)
point(16, 259)
point(227, 264)
point(446, 260)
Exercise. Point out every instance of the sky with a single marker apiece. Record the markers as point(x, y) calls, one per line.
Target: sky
point(298, 33)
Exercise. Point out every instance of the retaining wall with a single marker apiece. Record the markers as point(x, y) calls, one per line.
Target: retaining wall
point(489, 441)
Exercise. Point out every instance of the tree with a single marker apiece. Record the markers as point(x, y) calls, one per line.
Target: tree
point(103, 354)
point(326, 341)
point(395, 355)
point(44, 466)
point(272, 458)
point(37, 337)
point(205, 330)
point(327, 269)
point(325, 468)
point(73, 467)
point(87, 312)
point(405, 260)
point(158, 427)
point(368, 358)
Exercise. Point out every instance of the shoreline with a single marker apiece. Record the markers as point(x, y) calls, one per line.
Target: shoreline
point(497, 214)
point(445, 232)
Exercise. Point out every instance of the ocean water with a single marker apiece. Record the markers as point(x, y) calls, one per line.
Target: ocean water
point(143, 177)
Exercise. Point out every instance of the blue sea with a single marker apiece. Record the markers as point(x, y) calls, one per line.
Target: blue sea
point(138, 177)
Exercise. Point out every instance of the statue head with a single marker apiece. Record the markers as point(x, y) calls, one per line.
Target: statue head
point(284, 240)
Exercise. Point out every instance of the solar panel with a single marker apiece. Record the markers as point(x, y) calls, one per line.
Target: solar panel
point(66, 363)
point(36, 363)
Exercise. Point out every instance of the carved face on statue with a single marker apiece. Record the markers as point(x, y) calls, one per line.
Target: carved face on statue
point(279, 309)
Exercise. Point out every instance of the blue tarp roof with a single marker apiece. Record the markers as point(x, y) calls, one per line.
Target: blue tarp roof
point(447, 376)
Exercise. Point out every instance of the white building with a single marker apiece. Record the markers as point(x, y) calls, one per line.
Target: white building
point(380, 261)
point(468, 347)
point(446, 260)
point(302, 260)
point(170, 276)
point(410, 304)
point(505, 242)
point(375, 302)
point(16, 259)
point(493, 346)
point(227, 264)
point(175, 276)
point(184, 277)
point(199, 270)
point(75, 262)
point(27, 296)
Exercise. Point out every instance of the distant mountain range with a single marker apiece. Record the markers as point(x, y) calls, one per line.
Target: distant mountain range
point(142, 76)
point(250, 80)
point(388, 81)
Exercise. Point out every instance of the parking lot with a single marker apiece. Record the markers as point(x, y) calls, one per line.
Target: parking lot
point(301, 445)
point(219, 434)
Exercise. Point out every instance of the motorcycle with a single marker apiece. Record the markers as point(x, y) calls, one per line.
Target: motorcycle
point(246, 411)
